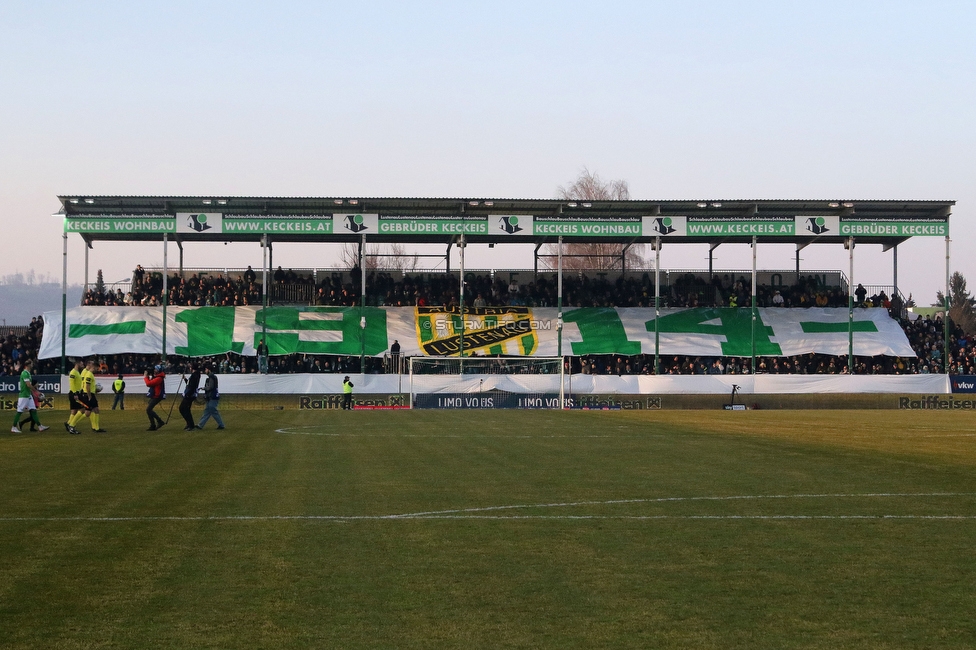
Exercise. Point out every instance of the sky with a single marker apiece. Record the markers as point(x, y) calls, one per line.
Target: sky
point(690, 100)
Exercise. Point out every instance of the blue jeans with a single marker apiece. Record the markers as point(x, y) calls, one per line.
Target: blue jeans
point(211, 412)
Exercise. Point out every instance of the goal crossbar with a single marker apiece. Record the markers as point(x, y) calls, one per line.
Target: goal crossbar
point(539, 376)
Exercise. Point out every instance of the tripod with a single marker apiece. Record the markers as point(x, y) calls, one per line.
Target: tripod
point(732, 406)
point(168, 415)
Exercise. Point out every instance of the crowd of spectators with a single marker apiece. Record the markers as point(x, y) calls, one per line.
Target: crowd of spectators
point(385, 288)
point(689, 290)
point(19, 345)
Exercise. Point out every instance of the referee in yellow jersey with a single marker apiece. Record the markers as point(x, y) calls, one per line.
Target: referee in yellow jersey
point(91, 398)
point(75, 399)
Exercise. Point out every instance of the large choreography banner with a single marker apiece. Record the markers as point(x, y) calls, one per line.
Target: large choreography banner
point(439, 331)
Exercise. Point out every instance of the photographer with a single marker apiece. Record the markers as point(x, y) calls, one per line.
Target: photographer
point(156, 381)
point(190, 396)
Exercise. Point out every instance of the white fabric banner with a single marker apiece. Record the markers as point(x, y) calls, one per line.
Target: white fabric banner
point(520, 331)
point(305, 384)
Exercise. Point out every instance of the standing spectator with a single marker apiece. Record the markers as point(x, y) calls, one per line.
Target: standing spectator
point(190, 396)
point(118, 387)
point(395, 356)
point(213, 396)
point(262, 351)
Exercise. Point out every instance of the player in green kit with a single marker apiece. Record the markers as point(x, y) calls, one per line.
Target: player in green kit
point(27, 399)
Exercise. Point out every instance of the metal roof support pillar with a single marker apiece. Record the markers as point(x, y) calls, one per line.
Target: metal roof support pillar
point(657, 303)
point(179, 245)
point(165, 287)
point(799, 247)
point(64, 302)
point(945, 320)
point(894, 272)
point(266, 245)
point(362, 305)
point(559, 324)
point(87, 247)
point(711, 250)
point(755, 311)
point(535, 262)
point(447, 256)
point(850, 307)
point(461, 246)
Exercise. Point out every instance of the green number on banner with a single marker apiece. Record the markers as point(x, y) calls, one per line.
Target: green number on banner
point(602, 332)
point(734, 324)
point(209, 330)
point(289, 333)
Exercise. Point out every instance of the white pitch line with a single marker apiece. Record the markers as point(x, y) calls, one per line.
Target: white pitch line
point(471, 436)
point(680, 499)
point(473, 513)
point(479, 517)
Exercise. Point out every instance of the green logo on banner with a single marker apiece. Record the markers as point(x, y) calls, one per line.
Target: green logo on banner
point(734, 324)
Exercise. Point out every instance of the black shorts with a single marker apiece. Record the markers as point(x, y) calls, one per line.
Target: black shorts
point(77, 402)
point(80, 402)
point(92, 401)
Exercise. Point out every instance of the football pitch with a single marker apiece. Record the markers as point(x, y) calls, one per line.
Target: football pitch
point(519, 529)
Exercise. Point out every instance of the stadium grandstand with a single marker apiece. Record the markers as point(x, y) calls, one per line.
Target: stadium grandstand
point(488, 311)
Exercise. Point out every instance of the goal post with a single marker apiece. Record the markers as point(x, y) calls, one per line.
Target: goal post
point(509, 382)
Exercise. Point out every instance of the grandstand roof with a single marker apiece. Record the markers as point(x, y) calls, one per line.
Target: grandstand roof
point(440, 220)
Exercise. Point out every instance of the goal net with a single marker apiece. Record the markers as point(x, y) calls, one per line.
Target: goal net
point(506, 382)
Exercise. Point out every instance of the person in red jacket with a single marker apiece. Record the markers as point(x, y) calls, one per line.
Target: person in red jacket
point(156, 381)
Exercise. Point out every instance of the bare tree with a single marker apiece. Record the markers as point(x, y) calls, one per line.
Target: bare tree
point(588, 186)
point(393, 258)
point(962, 306)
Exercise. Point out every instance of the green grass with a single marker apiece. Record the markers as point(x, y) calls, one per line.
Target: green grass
point(543, 529)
